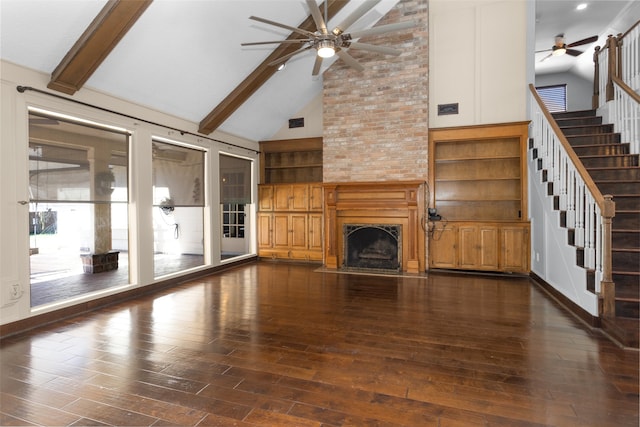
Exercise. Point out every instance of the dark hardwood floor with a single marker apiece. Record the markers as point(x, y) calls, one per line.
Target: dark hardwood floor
point(282, 344)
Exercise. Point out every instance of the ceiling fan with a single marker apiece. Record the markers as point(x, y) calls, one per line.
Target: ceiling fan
point(335, 42)
point(560, 48)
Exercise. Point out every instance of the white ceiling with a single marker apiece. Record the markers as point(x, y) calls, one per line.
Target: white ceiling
point(183, 57)
point(600, 18)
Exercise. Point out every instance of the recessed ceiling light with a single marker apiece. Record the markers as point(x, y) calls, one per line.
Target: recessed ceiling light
point(581, 6)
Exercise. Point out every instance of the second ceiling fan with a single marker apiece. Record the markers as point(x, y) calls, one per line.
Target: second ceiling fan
point(335, 42)
point(560, 48)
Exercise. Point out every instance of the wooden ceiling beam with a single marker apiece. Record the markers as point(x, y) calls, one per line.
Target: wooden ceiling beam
point(95, 44)
point(261, 74)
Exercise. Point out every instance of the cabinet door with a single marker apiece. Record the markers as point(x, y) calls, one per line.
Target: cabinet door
point(265, 197)
point(315, 232)
point(264, 230)
point(315, 198)
point(443, 243)
point(514, 243)
point(298, 231)
point(281, 197)
point(469, 253)
point(280, 231)
point(489, 252)
point(299, 198)
point(478, 247)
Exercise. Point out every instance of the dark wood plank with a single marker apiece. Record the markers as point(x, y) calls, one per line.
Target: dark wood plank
point(283, 344)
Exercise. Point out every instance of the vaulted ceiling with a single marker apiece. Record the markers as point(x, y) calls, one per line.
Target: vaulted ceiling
point(183, 57)
point(179, 57)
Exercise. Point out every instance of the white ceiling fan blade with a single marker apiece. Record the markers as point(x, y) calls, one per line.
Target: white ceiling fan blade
point(286, 57)
point(546, 57)
point(355, 15)
point(373, 48)
point(277, 41)
point(317, 65)
point(317, 16)
point(382, 29)
point(287, 27)
point(349, 60)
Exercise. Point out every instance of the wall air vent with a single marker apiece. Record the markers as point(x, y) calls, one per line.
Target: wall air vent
point(296, 123)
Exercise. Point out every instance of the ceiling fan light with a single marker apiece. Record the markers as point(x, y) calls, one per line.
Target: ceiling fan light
point(325, 49)
point(557, 51)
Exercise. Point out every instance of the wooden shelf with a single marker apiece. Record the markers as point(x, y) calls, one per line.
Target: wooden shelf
point(478, 183)
point(291, 161)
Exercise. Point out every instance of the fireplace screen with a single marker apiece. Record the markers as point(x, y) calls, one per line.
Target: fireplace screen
point(370, 246)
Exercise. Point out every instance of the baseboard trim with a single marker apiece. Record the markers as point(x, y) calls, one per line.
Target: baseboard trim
point(584, 316)
point(24, 325)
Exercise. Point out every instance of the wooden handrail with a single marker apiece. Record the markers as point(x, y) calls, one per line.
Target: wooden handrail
point(630, 29)
point(588, 181)
point(625, 87)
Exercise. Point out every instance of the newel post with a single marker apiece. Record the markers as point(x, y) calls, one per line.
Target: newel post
point(595, 99)
point(607, 287)
point(612, 66)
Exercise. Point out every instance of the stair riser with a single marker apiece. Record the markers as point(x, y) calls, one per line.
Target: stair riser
point(622, 187)
point(621, 174)
point(626, 221)
point(606, 138)
point(619, 161)
point(568, 114)
point(625, 239)
point(628, 284)
point(579, 121)
point(628, 309)
point(587, 130)
point(601, 150)
point(627, 203)
point(625, 261)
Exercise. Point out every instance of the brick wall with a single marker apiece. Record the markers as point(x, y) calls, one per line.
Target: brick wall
point(376, 121)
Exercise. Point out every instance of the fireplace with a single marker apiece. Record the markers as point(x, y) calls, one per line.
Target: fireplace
point(372, 247)
point(374, 225)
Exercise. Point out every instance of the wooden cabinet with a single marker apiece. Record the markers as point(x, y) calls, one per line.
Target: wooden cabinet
point(502, 247)
point(478, 182)
point(290, 226)
point(291, 161)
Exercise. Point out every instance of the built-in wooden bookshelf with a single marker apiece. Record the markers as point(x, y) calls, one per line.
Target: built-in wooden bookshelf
point(478, 186)
point(291, 161)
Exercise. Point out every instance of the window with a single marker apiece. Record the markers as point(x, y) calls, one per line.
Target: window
point(178, 213)
point(233, 220)
point(554, 97)
point(78, 220)
point(235, 206)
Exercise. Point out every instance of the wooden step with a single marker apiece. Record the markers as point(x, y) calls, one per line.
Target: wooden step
point(625, 259)
point(601, 149)
point(579, 121)
point(618, 160)
point(576, 113)
point(629, 220)
point(631, 187)
point(625, 239)
point(587, 130)
point(630, 173)
point(593, 139)
point(627, 202)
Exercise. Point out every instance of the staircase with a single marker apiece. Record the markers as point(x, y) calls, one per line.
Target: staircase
point(617, 172)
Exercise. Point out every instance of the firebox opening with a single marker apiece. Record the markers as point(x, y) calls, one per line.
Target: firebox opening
point(368, 246)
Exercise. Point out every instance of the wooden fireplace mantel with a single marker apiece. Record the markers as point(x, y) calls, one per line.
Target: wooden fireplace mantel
point(392, 202)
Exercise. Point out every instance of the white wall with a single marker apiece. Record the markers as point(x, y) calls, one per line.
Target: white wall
point(579, 90)
point(552, 258)
point(14, 237)
point(312, 114)
point(478, 59)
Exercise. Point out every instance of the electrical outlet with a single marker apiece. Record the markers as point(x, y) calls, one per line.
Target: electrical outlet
point(15, 292)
